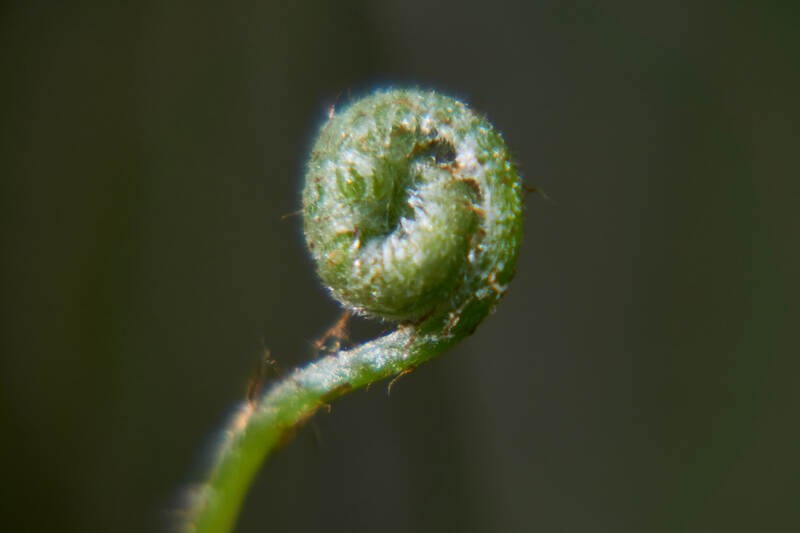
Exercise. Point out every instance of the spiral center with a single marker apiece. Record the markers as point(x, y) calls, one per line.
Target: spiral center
point(411, 159)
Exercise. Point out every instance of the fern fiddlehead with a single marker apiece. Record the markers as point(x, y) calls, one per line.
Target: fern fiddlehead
point(413, 213)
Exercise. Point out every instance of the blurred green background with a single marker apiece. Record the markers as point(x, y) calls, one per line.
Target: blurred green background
point(641, 374)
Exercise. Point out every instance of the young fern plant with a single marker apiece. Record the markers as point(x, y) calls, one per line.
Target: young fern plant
point(412, 211)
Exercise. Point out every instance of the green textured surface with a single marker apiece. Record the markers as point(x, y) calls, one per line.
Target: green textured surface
point(412, 207)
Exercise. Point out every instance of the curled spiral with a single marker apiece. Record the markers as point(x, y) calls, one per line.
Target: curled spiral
point(413, 213)
point(413, 209)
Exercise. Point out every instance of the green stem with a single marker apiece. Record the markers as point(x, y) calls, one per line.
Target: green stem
point(261, 426)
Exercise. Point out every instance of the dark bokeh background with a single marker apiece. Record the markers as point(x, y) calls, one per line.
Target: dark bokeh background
point(641, 374)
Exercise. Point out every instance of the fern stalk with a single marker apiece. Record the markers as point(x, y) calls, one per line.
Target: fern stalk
point(413, 213)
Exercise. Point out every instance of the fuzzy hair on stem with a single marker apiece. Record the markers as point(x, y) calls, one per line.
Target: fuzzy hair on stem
point(412, 211)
